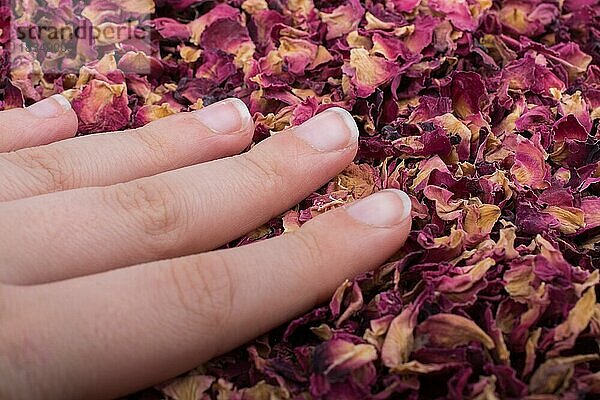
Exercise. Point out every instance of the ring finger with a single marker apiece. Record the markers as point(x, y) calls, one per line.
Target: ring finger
point(176, 213)
point(219, 130)
point(44, 122)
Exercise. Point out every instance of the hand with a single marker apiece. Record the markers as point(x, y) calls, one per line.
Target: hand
point(109, 278)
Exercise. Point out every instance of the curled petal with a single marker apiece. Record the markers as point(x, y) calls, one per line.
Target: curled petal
point(530, 166)
point(369, 72)
point(398, 342)
point(450, 330)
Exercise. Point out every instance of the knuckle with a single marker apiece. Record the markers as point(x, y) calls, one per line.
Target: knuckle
point(205, 291)
point(310, 251)
point(311, 256)
point(154, 209)
point(48, 167)
point(264, 173)
point(157, 146)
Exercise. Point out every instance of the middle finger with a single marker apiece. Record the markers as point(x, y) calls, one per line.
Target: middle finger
point(175, 213)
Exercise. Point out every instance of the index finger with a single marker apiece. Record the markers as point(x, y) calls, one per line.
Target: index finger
point(116, 332)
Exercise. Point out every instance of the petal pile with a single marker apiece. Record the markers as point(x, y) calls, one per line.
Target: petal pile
point(485, 112)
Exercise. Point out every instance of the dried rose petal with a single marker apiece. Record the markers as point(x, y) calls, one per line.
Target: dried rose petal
point(102, 107)
point(485, 112)
point(368, 72)
point(449, 330)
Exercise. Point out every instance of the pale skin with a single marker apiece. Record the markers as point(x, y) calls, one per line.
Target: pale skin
point(109, 278)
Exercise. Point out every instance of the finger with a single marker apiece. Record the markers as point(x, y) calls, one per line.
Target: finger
point(43, 122)
point(221, 129)
point(175, 213)
point(124, 330)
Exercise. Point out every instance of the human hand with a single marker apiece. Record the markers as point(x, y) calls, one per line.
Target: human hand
point(109, 278)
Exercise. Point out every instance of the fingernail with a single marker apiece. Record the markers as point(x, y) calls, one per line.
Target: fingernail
point(385, 208)
point(333, 129)
point(225, 117)
point(50, 107)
